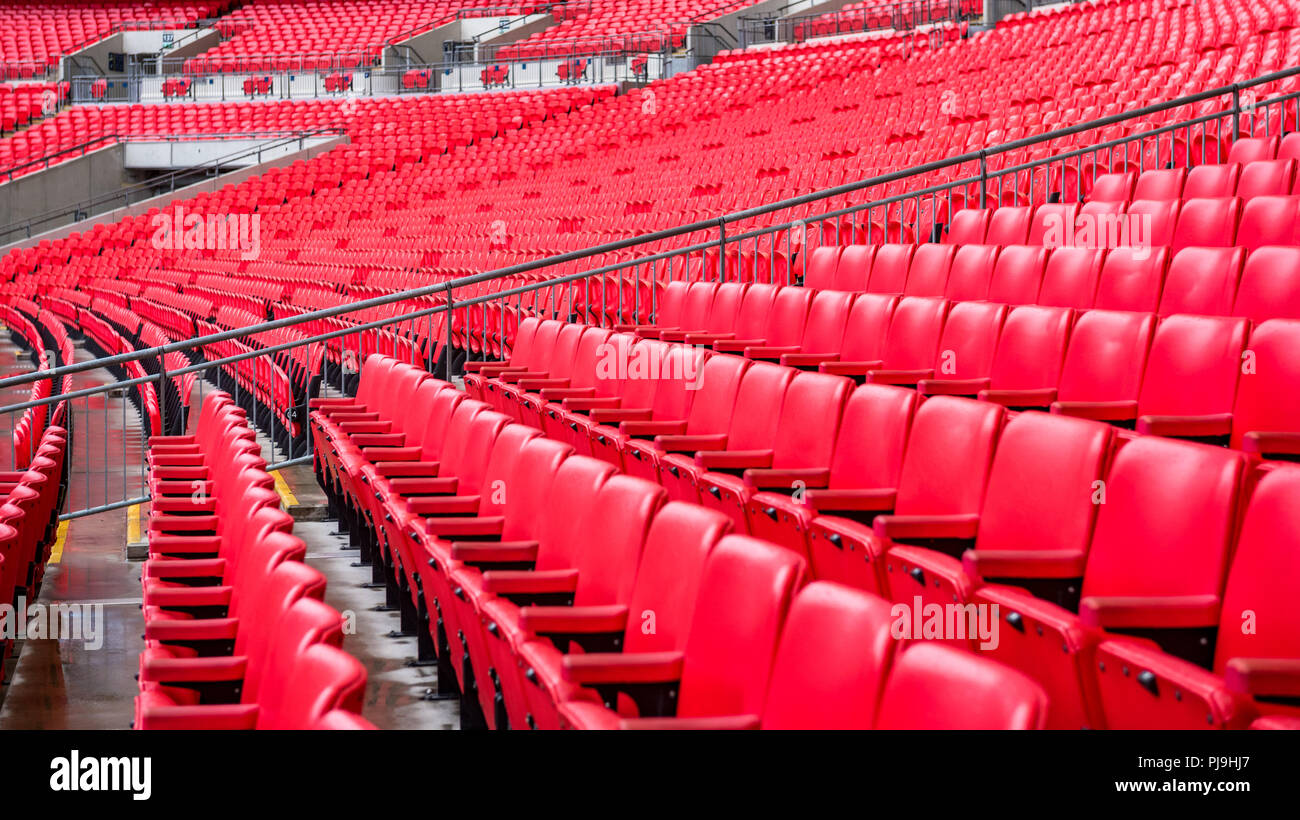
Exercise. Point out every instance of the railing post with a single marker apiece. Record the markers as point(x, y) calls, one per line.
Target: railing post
point(722, 251)
point(447, 350)
point(984, 176)
point(1236, 111)
point(162, 395)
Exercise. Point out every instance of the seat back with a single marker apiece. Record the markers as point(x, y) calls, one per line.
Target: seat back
point(324, 680)
point(873, 435)
point(528, 498)
point(1132, 279)
point(755, 308)
point(1106, 357)
point(1268, 396)
point(1070, 278)
point(821, 267)
point(1202, 280)
point(1031, 349)
point(1193, 366)
point(809, 420)
point(789, 316)
point(834, 656)
point(744, 596)
point(928, 274)
point(854, 269)
point(757, 409)
point(560, 537)
point(969, 340)
point(1270, 285)
point(934, 686)
point(912, 342)
point(1207, 222)
point(1017, 275)
point(715, 396)
point(827, 317)
point(1166, 527)
point(1009, 226)
point(1270, 220)
point(667, 581)
point(948, 457)
point(866, 327)
point(972, 270)
point(889, 268)
point(725, 307)
point(607, 557)
point(1160, 185)
point(968, 227)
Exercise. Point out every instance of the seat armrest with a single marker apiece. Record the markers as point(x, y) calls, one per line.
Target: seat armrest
point(500, 552)
point(1038, 397)
point(915, 527)
point(1271, 444)
point(1264, 677)
point(902, 377)
point(621, 668)
point(1150, 611)
point(573, 620)
point(1097, 410)
point(869, 500)
point(730, 723)
point(778, 479)
point(1024, 563)
point(733, 459)
point(522, 582)
point(691, 443)
point(841, 368)
point(230, 717)
point(649, 429)
point(1216, 424)
point(194, 670)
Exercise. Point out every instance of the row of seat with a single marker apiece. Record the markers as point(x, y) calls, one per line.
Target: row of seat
point(487, 525)
point(1259, 285)
point(236, 633)
point(1216, 222)
point(1198, 377)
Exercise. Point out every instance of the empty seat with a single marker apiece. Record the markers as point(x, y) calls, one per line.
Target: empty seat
point(1270, 285)
point(968, 227)
point(1254, 665)
point(1018, 275)
point(932, 686)
point(1104, 365)
point(1208, 222)
point(1070, 278)
point(1202, 280)
point(971, 272)
point(928, 275)
point(889, 268)
point(1009, 226)
point(821, 262)
point(1117, 187)
point(1266, 178)
point(1270, 220)
point(1266, 416)
point(854, 268)
point(1212, 181)
point(1132, 279)
point(1191, 377)
point(1161, 185)
point(1155, 569)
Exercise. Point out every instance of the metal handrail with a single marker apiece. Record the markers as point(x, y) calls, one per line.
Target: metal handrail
point(981, 156)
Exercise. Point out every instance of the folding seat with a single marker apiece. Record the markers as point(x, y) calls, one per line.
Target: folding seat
point(307, 679)
point(1289, 148)
point(668, 577)
point(510, 530)
point(1104, 366)
point(928, 275)
point(1202, 280)
point(1208, 222)
point(785, 323)
point(968, 227)
point(1155, 220)
point(1154, 571)
point(805, 432)
point(966, 346)
point(1070, 278)
point(527, 358)
point(823, 333)
point(1009, 226)
point(723, 664)
point(821, 264)
point(1270, 285)
point(694, 311)
point(889, 268)
point(667, 312)
point(854, 269)
point(752, 426)
point(520, 352)
point(1266, 178)
point(911, 341)
point(1026, 365)
point(622, 372)
point(1132, 279)
point(588, 376)
point(591, 573)
point(972, 270)
point(1252, 149)
point(750, 321)
point(723, 311)
point(867, 454)
point(503, 388)
point(932, 686)
point(1052, 223)
point(1266, 416)
point(180, 650)
point(1017, 275)
point(1270, 220)
point(1211, 181)
point(1117, 187)
point(1191, 377)
point(665, 395)
point(936, 502)
point(709, 414)
point(1160, 185)
point(1254, 668)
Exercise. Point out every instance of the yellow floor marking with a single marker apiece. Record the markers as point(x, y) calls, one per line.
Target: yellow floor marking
point(133, 524)
point(282, 487)
point(56, 552)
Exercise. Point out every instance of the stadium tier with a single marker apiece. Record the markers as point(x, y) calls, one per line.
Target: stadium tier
point(930, 367)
